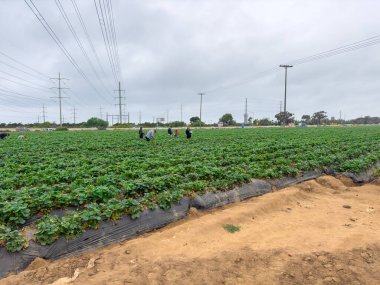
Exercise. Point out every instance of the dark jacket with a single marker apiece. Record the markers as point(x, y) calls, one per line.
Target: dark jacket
point(188, 133)
point(141, 133)
point(3, 135)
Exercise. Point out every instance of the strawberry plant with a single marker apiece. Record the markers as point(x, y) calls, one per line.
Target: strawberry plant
point(106, 175)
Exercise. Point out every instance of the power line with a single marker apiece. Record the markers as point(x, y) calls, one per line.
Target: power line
point(245, 81)
point(339, 50)
point(25, 85)
point(56, 39)
point(107, 28)
point(20, 70)
point(105, 38)
point(17, 101)
point(113, 32)
point(84, 27)
point(375, 40)
point(22, 79)
point(21, 95)
point(78, 41)
point(24, 65)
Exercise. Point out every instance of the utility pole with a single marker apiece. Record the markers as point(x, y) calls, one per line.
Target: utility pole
point(38, 119)
point(286, 66)
point(246, 112)
point(120, 104)
point(181, 113)
point(200, 110)
point(43, 113)
point(75, 115)
point(60, 95)
point(128, 118)
point(340, 115)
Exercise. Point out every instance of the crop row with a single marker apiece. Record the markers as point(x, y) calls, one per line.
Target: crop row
point(104, 175)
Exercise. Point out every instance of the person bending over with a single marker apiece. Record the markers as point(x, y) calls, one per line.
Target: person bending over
point(149, 135)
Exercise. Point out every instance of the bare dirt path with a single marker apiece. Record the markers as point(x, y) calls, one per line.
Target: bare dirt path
point(318, 232)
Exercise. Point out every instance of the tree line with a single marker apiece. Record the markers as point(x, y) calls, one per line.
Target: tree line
point(282, 118)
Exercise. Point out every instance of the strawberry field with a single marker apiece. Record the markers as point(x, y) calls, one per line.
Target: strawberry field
point(103, 175)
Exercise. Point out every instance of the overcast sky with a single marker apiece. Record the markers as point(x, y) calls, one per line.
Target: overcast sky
point(171, 50)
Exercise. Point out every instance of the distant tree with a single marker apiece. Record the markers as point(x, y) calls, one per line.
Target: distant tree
point(250, 119)
point(175, 124)
point(306, 118)
point(318, 117)
point(96, 123)
point(366, 120)
point(286, 118)
point(263, 122)
point(227, 119)
point(194, 120)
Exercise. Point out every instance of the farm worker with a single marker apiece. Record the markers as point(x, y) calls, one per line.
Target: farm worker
point(21, 137)
point(176, 133)
point(188, 133)
point(141, 133)
point(3, 135)
point(170, 132)
point(150, 135)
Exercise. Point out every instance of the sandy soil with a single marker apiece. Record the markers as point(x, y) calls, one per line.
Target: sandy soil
point(318, 232)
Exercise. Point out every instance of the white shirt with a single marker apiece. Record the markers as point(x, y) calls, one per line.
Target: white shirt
point(150, 134)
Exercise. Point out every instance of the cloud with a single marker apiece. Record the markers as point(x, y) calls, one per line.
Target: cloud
point(171, 50)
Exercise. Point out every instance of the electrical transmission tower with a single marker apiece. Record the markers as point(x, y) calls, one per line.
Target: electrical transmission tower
point(101, 112)
point(59, 95)
point(43, 113)
point(75, 115)
point(200, 109)
point(119, 90)
point(286, 79)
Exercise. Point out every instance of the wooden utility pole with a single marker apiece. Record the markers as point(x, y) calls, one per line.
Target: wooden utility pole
point(200, 110)
point(286, 66)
